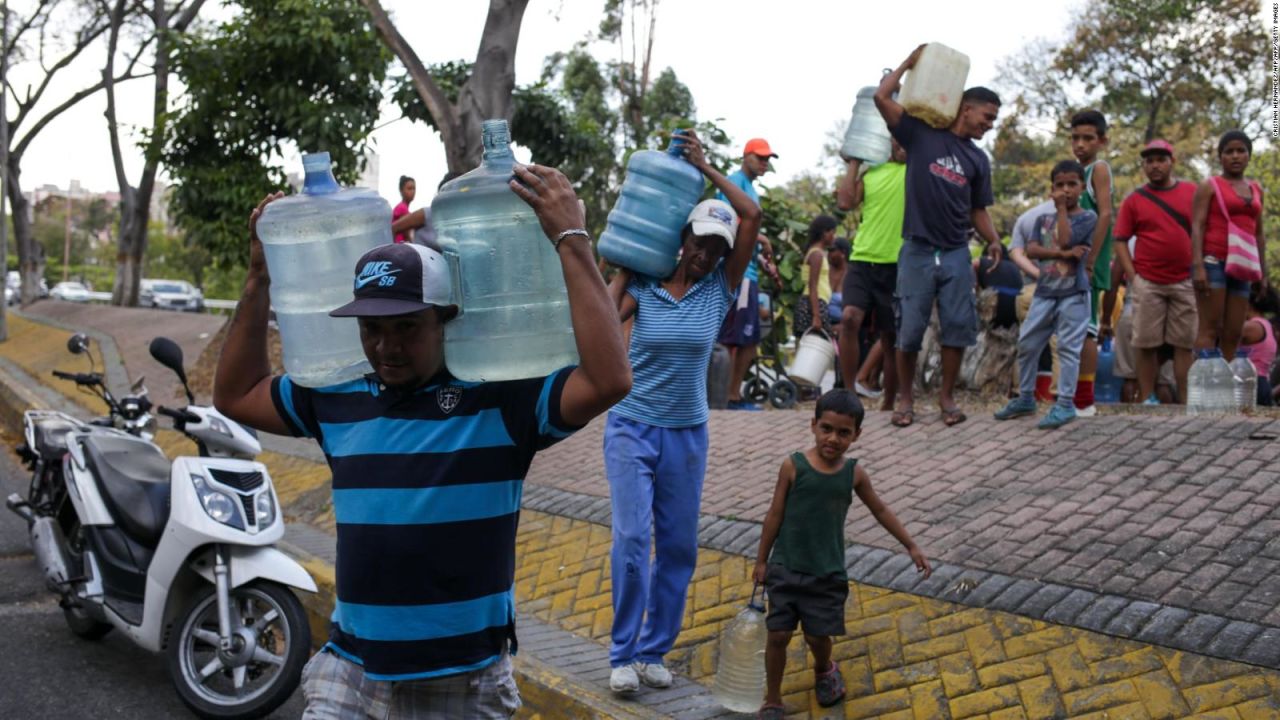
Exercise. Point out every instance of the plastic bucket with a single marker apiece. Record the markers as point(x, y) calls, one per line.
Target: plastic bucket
point(815, 355)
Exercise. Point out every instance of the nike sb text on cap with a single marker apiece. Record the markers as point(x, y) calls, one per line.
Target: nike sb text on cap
point(398, 279)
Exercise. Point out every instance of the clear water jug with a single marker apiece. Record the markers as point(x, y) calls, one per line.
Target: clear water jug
point(312, 241)
point(739, 682)
point(1246, 381)
point(867, 138)
point(1107, 387)
point(931, 90)
point(643, 231)
point(1210, 384)
point(508, 282)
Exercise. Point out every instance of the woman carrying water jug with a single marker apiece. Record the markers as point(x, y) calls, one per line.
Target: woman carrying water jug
point(655, 442)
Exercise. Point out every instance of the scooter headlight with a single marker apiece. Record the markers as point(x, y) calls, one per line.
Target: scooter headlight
point(265, 509)
point(217, 504)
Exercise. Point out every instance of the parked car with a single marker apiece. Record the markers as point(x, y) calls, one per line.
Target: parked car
point(170, 295)
point(10, 296)
point(13, 281)
point(70, 291)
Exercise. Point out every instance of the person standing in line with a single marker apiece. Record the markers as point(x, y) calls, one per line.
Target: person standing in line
point(655, 440)
point(948, 190)
point(408, 189)
point(741, 329)
point(1226, 199)
point(811, 310)
point(873, 271)
point(1158, 217)
point(1088, 139)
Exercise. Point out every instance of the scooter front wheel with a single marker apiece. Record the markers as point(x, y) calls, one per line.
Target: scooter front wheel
point(262, 668)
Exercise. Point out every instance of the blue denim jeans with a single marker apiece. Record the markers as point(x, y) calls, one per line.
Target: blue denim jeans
point(655, 481)
point(1068, 318)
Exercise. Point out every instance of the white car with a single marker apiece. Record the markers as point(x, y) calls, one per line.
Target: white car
point(171, 295)
point(70, 291)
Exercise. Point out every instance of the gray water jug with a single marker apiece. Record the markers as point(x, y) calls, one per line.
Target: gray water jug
point(719, 371)
point(867, 138)
point(312, 241)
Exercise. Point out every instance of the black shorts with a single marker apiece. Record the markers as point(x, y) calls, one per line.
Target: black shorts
point(870, 287)
point(813, 602)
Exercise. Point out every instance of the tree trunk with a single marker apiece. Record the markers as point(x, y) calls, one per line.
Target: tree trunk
point(30, 253)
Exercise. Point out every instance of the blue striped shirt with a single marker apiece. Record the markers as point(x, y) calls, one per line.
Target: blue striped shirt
point(426, 494)
point(670, 349)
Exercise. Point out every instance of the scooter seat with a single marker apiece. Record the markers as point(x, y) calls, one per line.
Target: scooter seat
point(134, 477)
point(51, 437)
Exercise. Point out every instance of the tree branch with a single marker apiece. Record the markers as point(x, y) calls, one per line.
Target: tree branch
point(24, 107)
point(432, 96)
point(108, 80)
point(67, 104)
point(186, 16)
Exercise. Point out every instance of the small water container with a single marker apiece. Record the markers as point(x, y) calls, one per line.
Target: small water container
point(1210, 384)
point(867, 138)
point(643, 231)
point(931, 90)
point(312, 242)
point(719, 375)
point(1246, 381)
point(739, 682)
point(508, 282)
point(1108, 385)
point(815, 355)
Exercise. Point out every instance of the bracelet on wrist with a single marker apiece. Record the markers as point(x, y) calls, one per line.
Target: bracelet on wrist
point(555, 242)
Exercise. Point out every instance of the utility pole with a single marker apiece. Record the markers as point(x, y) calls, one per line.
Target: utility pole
point(4, 163)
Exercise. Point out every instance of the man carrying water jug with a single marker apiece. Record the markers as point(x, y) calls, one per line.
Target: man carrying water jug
point(426, 470)
point(948, 192)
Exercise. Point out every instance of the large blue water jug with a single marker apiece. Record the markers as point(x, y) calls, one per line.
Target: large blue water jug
point(312, 241)
point(508, 281)
point(1108, 385)
point(643, 232)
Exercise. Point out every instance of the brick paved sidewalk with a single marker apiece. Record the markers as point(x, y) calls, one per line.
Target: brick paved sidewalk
point(1176, 510)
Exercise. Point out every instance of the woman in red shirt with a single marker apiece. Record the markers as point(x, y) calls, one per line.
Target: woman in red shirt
point(408, 189)
point(1222, 300)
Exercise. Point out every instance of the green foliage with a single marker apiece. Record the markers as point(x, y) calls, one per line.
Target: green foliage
point(1265, 168)
point(305, 71)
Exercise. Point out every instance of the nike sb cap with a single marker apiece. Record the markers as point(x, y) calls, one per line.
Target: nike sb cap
point(397, 279)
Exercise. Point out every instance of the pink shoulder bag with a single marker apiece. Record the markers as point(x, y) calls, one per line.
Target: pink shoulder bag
point(1242, 248)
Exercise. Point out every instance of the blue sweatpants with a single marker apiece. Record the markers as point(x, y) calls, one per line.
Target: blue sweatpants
point(1066, 317)
point(655, 481)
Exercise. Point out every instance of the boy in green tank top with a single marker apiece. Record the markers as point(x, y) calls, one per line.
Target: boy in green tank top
point(1088, 138)
point(801, 557)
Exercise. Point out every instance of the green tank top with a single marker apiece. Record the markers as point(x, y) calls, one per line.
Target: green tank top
point(884, 201)
point(811, 539)
point(1101, 268)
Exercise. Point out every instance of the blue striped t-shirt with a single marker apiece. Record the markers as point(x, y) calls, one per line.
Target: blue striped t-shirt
point(426, 494)
point(670, 348)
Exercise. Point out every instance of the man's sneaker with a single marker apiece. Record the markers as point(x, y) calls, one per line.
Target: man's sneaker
point(1090, 411)
point(771, 712)
point(865, 391)
point(653, 674)
point(1056, 417)
point(623, 679)
point(1153, 400)
point(829, 687)
point(742, 405)
point(1017, 407)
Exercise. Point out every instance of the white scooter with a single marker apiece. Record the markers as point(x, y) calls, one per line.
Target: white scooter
point(178, 556)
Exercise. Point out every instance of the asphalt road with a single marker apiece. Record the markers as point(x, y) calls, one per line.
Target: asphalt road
point(45, 671)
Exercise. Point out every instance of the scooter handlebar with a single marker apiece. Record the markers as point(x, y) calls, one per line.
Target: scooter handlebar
point(79, 378)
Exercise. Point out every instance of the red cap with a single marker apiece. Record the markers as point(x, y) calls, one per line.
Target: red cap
point(759, 146)
point(1157, 146)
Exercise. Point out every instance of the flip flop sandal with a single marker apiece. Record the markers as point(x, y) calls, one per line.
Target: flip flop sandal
point(953, 417)
point(902, 418)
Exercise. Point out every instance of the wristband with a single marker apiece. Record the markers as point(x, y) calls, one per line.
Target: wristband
point(555, 242)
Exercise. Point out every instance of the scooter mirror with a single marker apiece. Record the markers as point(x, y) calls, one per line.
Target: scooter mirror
point(167, 353)
point(77, 343)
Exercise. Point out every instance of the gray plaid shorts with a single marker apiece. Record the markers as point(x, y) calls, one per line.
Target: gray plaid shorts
point(336, 689)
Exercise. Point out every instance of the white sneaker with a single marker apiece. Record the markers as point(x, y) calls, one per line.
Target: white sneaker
point(654, 675)
point(865, 391)
point(623, 679)
point(1090, 411)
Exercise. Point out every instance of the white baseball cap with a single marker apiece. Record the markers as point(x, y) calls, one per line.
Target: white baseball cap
point(714, 217)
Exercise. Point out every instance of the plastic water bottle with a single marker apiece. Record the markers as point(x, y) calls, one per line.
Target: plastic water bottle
point(740, 672)
point(312, 242)
point(514, 320)
point(643, 231)
point(1246, 381)
point(867, 138)
point(1107, 387)
point(1210, 384)
point(931, 90)
point(1197, 380)
point(1221, 386)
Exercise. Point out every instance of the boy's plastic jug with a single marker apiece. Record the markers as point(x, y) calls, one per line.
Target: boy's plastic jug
point(1210, 384)
point(643, 232)
point(1107, 387)
point(312, 241)
point(1246, 381)
point(508, 282)
point(867, 138)
point(931, 90)
point(740, 672)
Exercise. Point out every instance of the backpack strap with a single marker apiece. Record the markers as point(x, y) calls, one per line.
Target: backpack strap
point(1178, 217)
